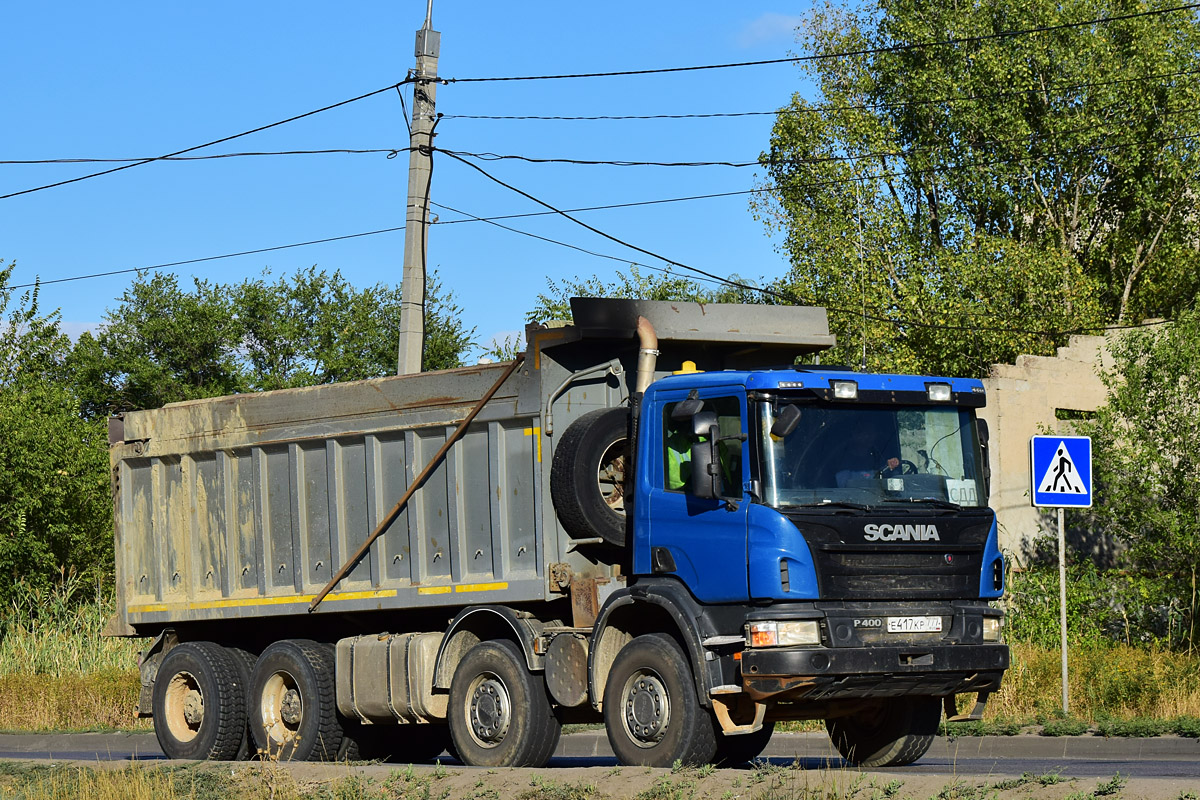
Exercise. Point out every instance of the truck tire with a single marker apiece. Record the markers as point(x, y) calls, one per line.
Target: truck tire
point(733, 751)
point(499, 711)
point(651, 711)
point(587, 478)
point(243, 668)
point(293, 710)
point(889, 733)
point(199, 710)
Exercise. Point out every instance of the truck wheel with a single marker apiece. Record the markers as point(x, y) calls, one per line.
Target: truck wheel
point(888, 733)
point(651, 711)
point(293, 713)
point(499, 712)
point(199, 710)
point(733, 751)
point(243, 667)
point(587, 478)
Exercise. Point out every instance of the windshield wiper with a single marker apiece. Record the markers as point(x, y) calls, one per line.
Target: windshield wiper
point(932, 501)
point(834, 504)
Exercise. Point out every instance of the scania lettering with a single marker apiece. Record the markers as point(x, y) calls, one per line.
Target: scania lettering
point(909, 533)
point(638, 523)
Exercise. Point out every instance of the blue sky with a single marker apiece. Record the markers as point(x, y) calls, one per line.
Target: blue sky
point(137, 79)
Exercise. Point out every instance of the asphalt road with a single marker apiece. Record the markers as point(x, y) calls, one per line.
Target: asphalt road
point(1166, 757)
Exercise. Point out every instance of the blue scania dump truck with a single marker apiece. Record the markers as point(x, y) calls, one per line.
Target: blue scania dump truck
point(652, 519)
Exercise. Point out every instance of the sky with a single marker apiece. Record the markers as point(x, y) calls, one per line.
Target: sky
point(140, 79)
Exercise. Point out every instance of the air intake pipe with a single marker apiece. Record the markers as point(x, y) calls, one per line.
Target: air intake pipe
point(647, 354)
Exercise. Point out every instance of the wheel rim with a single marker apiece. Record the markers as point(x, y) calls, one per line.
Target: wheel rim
point(646, 708)
point(610, 477)
point(490, 712)
point(282, 708)
point(184, 704)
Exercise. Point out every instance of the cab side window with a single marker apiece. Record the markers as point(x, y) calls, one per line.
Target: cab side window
point(678, 439)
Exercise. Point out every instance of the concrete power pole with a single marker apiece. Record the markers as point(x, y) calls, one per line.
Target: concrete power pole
point(412, 286)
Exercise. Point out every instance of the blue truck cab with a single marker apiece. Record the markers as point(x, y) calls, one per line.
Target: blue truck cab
point(829, 533)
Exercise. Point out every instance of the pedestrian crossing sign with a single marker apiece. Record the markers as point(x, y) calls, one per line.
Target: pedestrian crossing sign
point(1061, 471)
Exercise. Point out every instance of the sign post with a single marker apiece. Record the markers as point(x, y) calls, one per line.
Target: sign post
point(1061, 477)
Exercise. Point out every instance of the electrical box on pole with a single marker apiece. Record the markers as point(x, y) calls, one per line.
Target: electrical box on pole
point(416, 230)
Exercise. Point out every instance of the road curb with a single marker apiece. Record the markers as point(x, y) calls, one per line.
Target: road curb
point(594, 744)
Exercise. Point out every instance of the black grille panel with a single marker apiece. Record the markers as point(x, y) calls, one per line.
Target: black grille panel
point(849, 568)
point(943, 573)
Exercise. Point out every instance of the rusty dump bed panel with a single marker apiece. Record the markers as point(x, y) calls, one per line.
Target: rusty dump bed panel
point(245, 506)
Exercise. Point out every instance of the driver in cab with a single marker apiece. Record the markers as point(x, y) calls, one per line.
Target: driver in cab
point(864, 459)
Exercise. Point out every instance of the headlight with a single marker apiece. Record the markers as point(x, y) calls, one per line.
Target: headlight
point(991, 628)
point(845, 390)
point(783, 634)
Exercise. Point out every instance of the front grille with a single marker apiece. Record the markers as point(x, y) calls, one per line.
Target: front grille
point(911, 573)
point(849, 567)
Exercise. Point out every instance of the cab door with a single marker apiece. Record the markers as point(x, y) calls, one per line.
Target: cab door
point(702, 541)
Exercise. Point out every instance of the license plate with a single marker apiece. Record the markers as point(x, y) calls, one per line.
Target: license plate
point(914, 624)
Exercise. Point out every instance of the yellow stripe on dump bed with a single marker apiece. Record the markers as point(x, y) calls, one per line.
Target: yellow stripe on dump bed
point(151, 608)
point(250, 602)
point(463, 587)
point(480, 587)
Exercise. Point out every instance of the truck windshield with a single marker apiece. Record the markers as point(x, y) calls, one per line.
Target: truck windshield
point(855, 456)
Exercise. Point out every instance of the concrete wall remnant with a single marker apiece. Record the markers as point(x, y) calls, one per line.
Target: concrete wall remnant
point(1036, 394)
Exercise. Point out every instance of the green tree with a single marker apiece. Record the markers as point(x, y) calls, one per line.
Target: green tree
point(163, 343)
point(55, 511)
point(1147, 462)
point(951, 203)
point(315, 328)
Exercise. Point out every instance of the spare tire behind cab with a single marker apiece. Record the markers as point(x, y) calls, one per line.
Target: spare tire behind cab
point(587, 477)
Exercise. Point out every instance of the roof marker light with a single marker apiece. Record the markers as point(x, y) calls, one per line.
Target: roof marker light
point(938, 392)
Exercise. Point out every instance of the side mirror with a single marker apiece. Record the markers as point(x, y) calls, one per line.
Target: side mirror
point(705, 424)
point(786, 422)
point(686, 409)
point(706, 469)
point(981, 429)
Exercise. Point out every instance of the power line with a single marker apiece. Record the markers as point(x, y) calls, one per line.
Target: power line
point(785, 296)
point(770, 162)
point(202, 260)
point(843, 54)
point(206, 144)
point(821, 108)
point(596, 162)
point(390, 151)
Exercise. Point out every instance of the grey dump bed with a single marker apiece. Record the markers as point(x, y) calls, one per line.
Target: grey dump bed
point(245, 506)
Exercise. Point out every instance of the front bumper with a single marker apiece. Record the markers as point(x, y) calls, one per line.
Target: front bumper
point(831, 673)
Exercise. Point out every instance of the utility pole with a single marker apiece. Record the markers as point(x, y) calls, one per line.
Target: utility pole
point(412, 285)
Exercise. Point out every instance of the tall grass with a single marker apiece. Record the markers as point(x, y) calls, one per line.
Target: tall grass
point(1105, 681)
point(57, 672)
point(57, 631)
